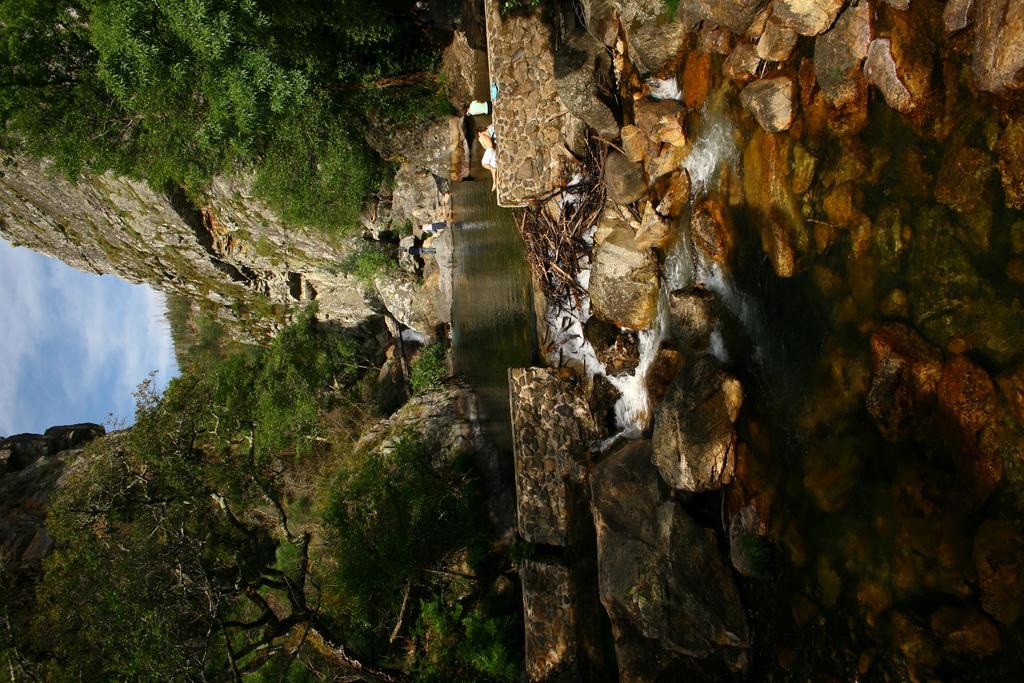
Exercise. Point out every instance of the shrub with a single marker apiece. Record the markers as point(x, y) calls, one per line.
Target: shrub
point(453, 644)
point(429, 368)
point(371, 260)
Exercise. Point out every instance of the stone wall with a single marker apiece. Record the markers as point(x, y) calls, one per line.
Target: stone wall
point(529, 118)
point(551, 428)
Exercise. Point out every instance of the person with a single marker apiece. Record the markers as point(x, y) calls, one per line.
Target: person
point(477, 108)
point(433, 228)
point(419, 251)
point(490, 160)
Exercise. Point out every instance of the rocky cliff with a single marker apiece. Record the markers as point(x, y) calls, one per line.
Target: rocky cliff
point(226, 248)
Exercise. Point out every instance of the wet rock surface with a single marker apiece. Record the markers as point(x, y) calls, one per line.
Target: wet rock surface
point(694, 441)
point(624, 281)
point(670, 597)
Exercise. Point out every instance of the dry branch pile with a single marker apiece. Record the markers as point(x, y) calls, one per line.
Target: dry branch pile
point(554, 231)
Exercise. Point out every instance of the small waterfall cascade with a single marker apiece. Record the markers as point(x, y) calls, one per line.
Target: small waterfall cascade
point(714, 147)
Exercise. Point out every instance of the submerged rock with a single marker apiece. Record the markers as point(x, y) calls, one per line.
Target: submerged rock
point(771, 103)
point(770, 199)
point(669, 595)
point(624, 283)
point(968, 416)
point(999, 45)
point(966, 631)
point(1011, 163)
point(807, 17)
point(694, 441)
point(905, 379)
point(999, 562)
point(963, 178)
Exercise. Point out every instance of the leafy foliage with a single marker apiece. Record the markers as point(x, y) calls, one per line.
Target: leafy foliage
point(456, 645)
point(178, 91)
point(429, 368)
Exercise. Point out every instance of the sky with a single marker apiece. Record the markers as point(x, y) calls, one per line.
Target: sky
point(74, 346)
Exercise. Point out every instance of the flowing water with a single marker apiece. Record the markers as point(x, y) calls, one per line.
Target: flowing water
point(492, 302)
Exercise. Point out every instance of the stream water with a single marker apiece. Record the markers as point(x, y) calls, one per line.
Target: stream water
point(492, 302)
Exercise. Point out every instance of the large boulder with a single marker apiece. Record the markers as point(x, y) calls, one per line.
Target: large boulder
point(409, 301)
point(416, 199)
point(694, 441)
point(583, 70)
point(671, 600)
point(692, 317)
point(463, 68)
point(624, 283)
point(438, 145)
point(999, 45)
point(617, 349)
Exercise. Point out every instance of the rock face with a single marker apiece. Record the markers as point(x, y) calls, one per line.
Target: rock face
point(30, 467)
point(807, 17)
point(416, 198)
point(694, 441)
point(624, 282)
point(550, 620)
point(233, 251)
point(999, 45)
point(551, 428)
point(583, 72)
point(662, 580)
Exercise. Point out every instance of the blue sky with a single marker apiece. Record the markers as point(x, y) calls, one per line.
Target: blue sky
point(74, 346)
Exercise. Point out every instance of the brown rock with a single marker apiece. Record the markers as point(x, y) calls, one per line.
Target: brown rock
point(777, 42)
point(654, 231)
point(742, 63)
point(711, 232)
point(906, 373)
point(999, 45)
point(1012, 385)
point(669, 160)
point(899, 63)
point(1011, 163)
point(736, 15)
point(840, 206)
point(616, 349)
point(691, 317)
point(624, 283)
point(807, 17)
point(634, 142)
point(771, 102)
point(767, 186)
point(624, 179)
point(649, 115)
point(956, 15)
point(999, 562)
point(968, 415)
point(694, 441)
point(963, 178)
point(966, 631)
point(696, 79)
point(677, 196)
point(663, 370)
point(839, 52)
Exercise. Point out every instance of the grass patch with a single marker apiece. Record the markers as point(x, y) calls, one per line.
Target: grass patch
point(429, 368)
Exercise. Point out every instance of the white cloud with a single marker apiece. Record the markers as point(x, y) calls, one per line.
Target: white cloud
point(75, 345)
